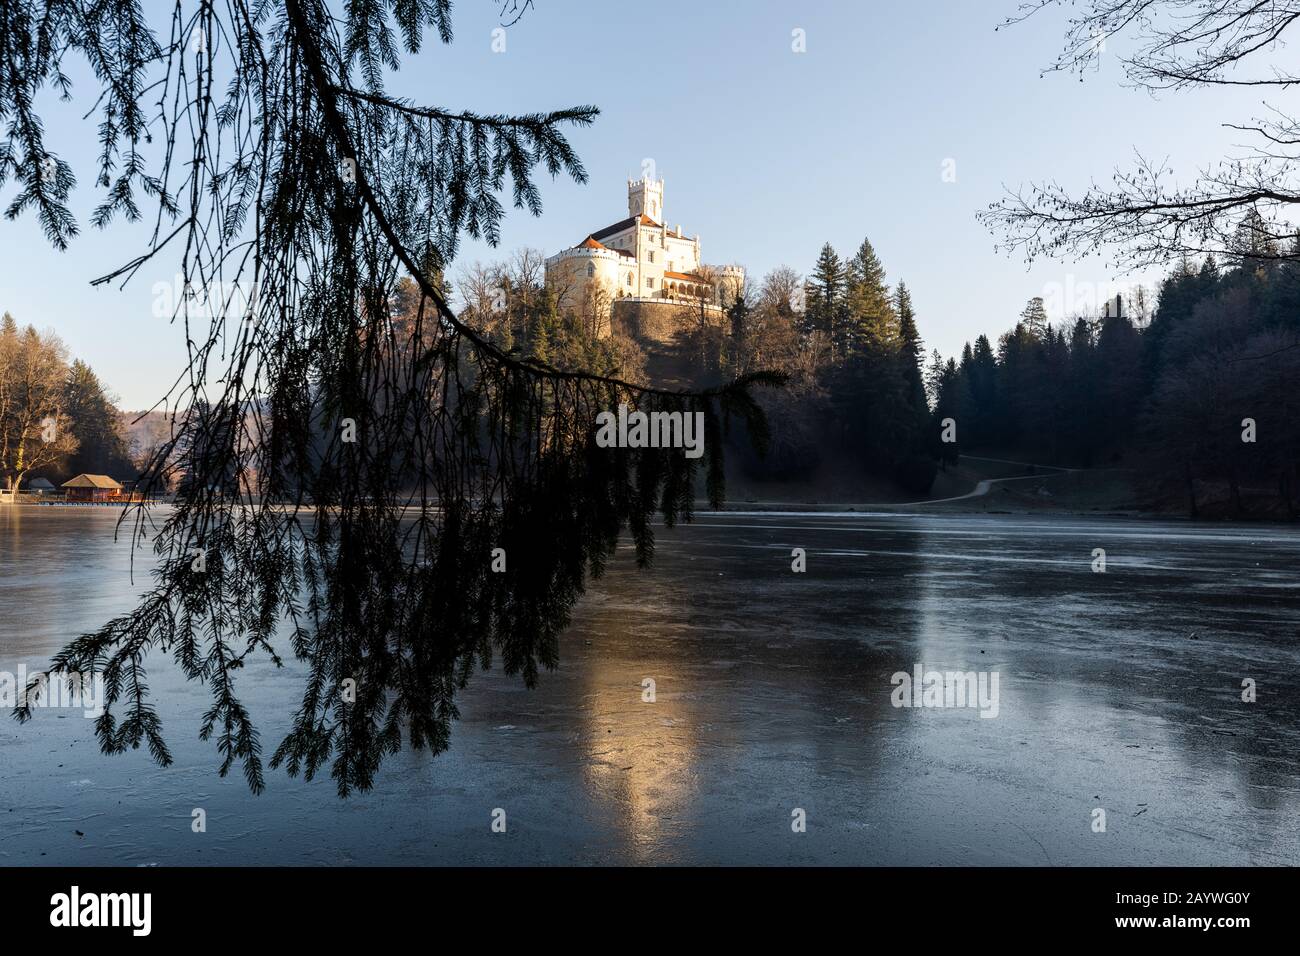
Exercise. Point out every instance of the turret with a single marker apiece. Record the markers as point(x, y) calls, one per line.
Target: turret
point(645, 197)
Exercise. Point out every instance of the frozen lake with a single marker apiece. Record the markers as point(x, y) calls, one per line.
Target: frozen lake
point(1119, 691)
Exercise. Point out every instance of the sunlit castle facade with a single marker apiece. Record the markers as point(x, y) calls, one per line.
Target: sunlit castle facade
point(640, 262)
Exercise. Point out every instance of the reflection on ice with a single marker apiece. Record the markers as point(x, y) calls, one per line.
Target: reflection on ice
point(1119, 691)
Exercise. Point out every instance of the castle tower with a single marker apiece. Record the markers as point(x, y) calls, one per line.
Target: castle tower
point(645, 197)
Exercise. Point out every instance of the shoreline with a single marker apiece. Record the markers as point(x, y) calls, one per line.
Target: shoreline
point(905, 509)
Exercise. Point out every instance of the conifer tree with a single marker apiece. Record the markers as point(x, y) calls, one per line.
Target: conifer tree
point(872, 324)
point(933, 377)
point(883, 420)
point(101, 448)
point(824, 307)
point(1034, 319)
point(947, 406)
point(911, 349)
point(339, 477)
point(740, 347)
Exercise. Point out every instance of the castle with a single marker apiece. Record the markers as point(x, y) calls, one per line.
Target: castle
point(638, 270)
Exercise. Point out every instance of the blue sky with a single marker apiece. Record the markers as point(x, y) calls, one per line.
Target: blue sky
point(766, 153)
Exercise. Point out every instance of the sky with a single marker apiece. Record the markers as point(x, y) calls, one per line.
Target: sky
point(766, 153)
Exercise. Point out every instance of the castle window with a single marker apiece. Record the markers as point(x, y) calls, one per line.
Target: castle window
point(591, 268)
point(652, 255)
point(629, 278)
point(650, 282)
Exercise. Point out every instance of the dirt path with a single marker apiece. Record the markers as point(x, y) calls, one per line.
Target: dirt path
point(986, 484)
point(982, 488)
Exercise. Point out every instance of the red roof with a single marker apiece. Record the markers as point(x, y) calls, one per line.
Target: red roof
point(92, 481)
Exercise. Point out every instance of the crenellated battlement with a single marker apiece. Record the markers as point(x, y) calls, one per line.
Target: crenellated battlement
point(645, 197)
point(580, 252)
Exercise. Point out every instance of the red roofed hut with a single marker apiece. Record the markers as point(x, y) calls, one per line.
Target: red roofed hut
point(92, 488)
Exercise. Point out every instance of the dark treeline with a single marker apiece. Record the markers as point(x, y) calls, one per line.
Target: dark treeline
point(1199, 402)
point(852, 350)
point(1190, 391)
point(1194, 394)
point(847, 343)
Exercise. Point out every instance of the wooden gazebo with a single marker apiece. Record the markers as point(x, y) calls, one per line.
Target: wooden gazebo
point(92, 488)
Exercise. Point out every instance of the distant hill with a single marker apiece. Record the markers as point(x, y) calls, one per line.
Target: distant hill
point(144, 433)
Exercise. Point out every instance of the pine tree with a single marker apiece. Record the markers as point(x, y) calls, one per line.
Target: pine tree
point(1034, 319)
point(1208, 279)
point(986, 401)
point(1284, 302)
point(101, 448)
point(883, 420)
point(739, 346)
point(1118, 376)
point(1255, 245)
point(328, 470)
point(824, 307)
point(947, 406)
point(910, 349)
point(933, 378)
point(872, 322)
point(1081, 403)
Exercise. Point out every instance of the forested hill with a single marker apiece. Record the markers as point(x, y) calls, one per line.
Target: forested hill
point(1190, 390)
point(1194, 393)
point(1201, 402)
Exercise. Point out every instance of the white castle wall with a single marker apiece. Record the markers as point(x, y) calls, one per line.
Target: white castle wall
point(576, 275)
point(581, 275)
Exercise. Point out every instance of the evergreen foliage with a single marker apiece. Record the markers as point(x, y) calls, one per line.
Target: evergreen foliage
point(1167, 400)
point(289, 169)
